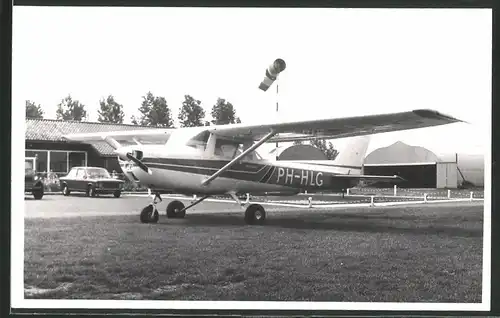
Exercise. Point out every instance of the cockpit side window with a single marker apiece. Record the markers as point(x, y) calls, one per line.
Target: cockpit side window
point(199, 141)
point(230, 149)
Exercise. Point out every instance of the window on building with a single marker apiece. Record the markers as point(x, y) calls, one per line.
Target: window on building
point(59, 161)
point(76, 159)
point(41, 159)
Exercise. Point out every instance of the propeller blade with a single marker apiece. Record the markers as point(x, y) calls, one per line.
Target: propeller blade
point(139, 163)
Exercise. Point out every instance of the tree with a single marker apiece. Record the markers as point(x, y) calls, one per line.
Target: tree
point(223, 113)
point(330, 152)
point(154, 112)
point(110, 111)
point(69, 109)
point(33, 111)
point(191, 114)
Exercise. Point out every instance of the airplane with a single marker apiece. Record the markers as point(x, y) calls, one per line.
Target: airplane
point(222, 159)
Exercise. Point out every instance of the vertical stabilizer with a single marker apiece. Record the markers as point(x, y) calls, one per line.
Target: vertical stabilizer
point(353, 153)
point(350, 157)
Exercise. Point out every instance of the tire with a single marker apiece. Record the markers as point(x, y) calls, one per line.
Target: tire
point(38, 193)
point(117, 193)
point(90, 191)
point(148, 216)
point(255, 215)
point(65, 190)
point(173, 209)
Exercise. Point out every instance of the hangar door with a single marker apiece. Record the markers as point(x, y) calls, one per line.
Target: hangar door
point(446, 175)
point(421, 175)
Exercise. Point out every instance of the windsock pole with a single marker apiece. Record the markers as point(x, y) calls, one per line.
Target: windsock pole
point(277, 96)
point(271, 76)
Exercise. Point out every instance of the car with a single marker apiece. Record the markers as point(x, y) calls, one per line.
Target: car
point(32, 182)
point(92, 181)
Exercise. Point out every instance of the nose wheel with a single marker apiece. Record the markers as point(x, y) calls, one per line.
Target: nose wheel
point(149, 214)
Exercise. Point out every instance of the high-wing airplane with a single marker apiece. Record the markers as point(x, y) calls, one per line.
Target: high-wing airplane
point(222, 159)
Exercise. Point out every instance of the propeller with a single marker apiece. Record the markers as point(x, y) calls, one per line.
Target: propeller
point(125, 154)
point(139, 163)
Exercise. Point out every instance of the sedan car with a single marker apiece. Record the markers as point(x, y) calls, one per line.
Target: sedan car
point(32, 182)
point(92, 181)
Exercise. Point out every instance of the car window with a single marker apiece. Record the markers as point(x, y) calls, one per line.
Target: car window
point(72, 173)
point(97, 173)
point(79, 173)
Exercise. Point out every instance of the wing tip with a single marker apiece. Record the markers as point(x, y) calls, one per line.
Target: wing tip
point(434, 114)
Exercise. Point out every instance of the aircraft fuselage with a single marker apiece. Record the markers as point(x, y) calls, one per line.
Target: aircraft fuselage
point(187, 175)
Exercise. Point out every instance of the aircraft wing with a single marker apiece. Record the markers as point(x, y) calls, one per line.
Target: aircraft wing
point(146, 136)
point(336, 127)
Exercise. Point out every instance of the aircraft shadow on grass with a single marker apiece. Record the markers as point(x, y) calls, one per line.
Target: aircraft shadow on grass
point(344, 223)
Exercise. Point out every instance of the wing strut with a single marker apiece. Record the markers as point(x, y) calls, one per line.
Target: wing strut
point(243, 154)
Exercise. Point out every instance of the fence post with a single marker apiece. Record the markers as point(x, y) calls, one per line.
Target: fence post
point(395, 190)
point(310, 202)
point(371, 201)
point(425, 197)
point(471, 195)
point(449, 194)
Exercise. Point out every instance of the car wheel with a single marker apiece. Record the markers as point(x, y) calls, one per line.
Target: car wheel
point(117, 193)
point(38, 194)
point(90, 191)
point(65, 190)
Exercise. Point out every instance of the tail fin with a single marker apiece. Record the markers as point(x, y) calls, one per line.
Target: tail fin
point(350, 156)
point(353, 153)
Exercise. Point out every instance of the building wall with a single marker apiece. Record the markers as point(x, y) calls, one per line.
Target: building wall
point(59, 157)
point(416, 176)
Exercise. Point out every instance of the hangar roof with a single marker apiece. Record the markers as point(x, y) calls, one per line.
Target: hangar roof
point(400, 152)
point(53, 130)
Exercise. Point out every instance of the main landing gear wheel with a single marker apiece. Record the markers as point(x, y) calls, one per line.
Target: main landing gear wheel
point(175, 210)
point(255, 214)
point(150, 214)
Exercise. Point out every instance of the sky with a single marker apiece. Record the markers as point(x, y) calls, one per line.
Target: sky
point(340, 63)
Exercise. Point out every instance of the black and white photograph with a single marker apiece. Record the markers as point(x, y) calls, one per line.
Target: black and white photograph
point(251, 158)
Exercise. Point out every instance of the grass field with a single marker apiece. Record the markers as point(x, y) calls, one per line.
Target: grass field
point(427, 253)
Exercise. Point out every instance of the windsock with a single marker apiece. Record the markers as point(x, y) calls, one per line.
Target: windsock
point(272, 72)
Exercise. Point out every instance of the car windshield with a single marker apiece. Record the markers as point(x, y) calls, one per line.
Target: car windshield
point(97, 173)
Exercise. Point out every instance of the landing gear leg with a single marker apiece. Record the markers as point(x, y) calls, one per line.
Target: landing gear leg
point(150, 214)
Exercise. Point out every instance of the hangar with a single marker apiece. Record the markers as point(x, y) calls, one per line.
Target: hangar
point(50, 152)
point(422, 168)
